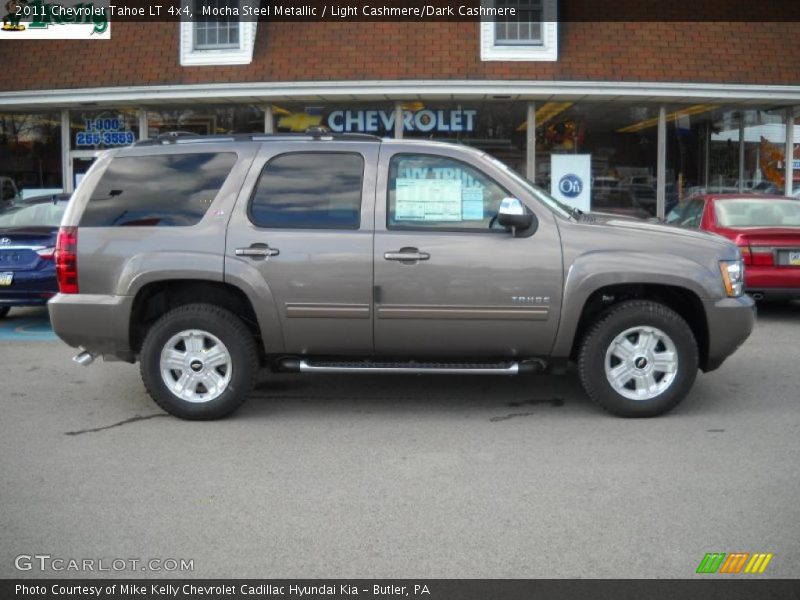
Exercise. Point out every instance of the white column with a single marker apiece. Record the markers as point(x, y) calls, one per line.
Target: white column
point(661, 163)
point(789, 151)
point(707, 152)
point(66, 163)
point(269, 123)
point(741, 151)
point(398, 120)
point(143, 133)
point(530, 143)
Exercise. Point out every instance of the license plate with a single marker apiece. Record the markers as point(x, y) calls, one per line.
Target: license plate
point(5, 278)
point(794, 258)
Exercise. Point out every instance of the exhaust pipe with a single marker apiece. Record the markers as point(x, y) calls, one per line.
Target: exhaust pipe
point(757, 296)
point(84, 359)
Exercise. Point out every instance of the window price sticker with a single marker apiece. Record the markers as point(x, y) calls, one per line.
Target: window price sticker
point(428, 200)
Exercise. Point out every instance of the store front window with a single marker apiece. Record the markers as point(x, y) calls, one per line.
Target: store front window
point(617, 140)
point(763, 143)
point(620, 142)
point(496, 127)
point(703, 150)
point(205, 120)
point(725, 149)
point(30, 152)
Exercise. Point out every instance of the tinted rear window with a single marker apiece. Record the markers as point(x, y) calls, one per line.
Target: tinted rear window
point(167, 190)
point(309, 190)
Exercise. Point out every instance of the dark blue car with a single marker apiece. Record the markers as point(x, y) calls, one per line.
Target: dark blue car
point(28, 234)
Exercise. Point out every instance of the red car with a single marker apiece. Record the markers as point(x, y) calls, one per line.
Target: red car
point(766, 229)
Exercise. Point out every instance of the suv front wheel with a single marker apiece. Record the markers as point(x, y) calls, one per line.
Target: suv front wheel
point(199, 361)
point(639, 359)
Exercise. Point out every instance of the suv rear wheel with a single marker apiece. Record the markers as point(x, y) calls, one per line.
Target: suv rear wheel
point(638, 360)
point(199, 361)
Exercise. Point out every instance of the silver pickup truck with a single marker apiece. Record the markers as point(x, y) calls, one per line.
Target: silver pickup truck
point(207, 259)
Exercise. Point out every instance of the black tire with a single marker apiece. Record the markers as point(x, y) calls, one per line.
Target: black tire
point(615, 321)
point(4, 310)
point(230, 330)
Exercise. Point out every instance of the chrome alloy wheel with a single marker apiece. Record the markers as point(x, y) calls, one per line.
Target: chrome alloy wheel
point(641, 363)
point(196, 366)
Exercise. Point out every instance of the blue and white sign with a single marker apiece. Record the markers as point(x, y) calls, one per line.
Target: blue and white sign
point(570, 185)
point(106, 131)
point(571, 179)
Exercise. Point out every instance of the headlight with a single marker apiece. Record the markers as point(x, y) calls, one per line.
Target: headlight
point(733, 276)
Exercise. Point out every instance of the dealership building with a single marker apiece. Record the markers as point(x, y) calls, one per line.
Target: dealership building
point(663, 108)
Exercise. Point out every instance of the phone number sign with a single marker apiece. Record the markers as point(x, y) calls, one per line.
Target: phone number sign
point(105, 132)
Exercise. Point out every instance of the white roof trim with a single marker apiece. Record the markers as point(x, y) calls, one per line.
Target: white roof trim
point(404, 90)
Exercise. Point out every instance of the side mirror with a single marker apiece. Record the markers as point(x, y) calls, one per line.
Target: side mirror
point(514, 216)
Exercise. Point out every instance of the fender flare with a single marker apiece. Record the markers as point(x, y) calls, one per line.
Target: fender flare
point(596, 270)
point(145, 269)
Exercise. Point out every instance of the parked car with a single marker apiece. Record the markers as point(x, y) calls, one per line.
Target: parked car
point(620, 202)
point(645, 196)
point(27, 243)
point(604, 183)
point(766, 229)
point(641, 180)
point(207, 258)
point(764, 187)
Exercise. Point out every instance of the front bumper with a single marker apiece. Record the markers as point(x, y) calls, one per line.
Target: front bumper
point(97, 323)
point(730, 322)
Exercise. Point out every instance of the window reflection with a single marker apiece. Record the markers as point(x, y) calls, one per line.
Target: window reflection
point(148, 191)
point(309, 191)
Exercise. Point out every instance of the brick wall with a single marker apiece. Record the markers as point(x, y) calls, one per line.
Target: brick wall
point(147, 54)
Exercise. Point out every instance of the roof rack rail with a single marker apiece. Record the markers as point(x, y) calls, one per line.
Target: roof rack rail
point(311, 134)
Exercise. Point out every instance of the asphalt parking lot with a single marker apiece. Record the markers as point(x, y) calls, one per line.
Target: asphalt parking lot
point(413, 476)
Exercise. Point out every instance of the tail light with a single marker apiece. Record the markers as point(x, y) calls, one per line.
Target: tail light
point(67, 260)
point(762, 256)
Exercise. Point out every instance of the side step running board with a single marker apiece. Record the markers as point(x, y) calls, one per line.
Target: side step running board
point(412, 367)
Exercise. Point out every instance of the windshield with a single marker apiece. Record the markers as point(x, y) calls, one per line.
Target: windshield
point(561, 208)
point(758, 212)
point(46, 214)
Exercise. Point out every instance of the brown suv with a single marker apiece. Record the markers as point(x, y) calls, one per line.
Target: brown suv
point(209, 258)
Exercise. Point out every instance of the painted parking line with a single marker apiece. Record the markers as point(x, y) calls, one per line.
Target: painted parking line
point(26, 328)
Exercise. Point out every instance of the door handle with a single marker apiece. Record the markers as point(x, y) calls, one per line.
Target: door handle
point(257, 251)
point(406, 254)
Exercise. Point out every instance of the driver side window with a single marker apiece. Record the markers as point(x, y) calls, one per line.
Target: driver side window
point(436, 192)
